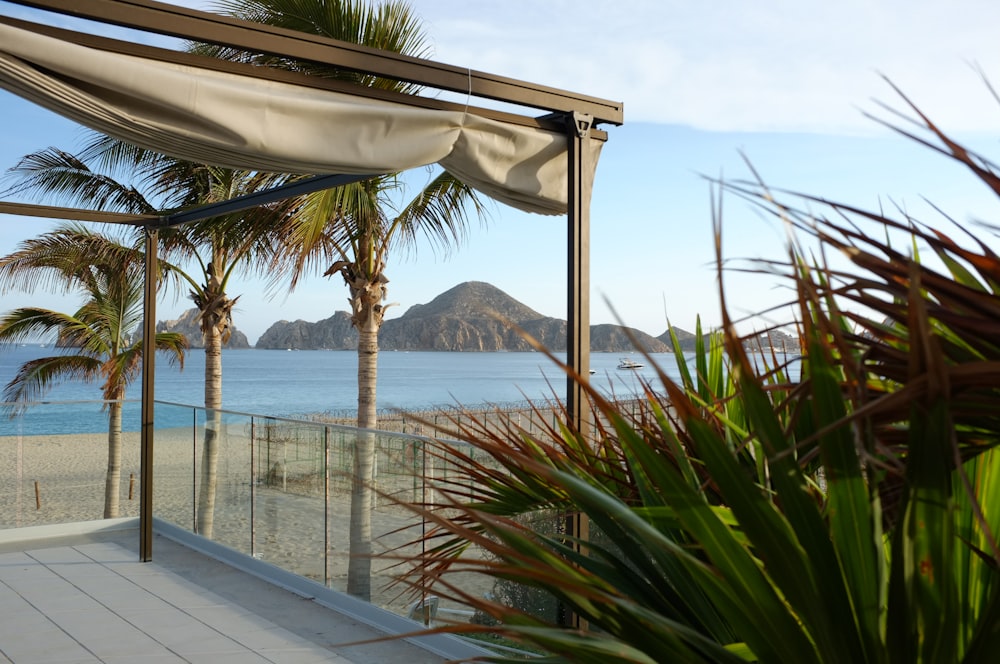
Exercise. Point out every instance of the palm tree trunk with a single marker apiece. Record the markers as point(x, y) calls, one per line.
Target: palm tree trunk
point(359, 566)
point(113, 480)
point(213, 428)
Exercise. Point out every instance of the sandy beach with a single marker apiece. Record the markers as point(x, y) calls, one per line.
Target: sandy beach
point(277, 511)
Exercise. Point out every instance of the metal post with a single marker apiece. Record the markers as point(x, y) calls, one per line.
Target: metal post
point(253, 487)
point(326, 506)
point(578, 263)
point(148, 375)
point(578, 301)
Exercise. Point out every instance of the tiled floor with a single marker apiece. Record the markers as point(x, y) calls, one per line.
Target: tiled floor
point(93, 601)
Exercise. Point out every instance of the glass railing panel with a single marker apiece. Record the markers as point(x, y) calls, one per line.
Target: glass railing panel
point(174, 455)
point(223, 479)
point(289, 470)
point(441, 470)
point(340, 456)
point(54, 463)
point(399, 473)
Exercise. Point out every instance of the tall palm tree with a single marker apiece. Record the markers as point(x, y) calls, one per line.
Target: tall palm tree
point(104, 332)
point(349, 231)
point(218, 246)
point(125, 178)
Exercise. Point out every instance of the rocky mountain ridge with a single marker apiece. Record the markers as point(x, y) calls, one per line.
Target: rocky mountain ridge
point(474, 316)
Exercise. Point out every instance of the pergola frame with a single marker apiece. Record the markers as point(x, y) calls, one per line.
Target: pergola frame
point(575, 114)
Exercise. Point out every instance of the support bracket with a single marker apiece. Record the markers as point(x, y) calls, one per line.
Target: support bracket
point(583, 122)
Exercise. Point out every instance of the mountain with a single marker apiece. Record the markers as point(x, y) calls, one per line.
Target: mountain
point(187, 325)
point(780, 341)
point(776, 339)
point(334, 333)
point(473, 316)
point(615, 339)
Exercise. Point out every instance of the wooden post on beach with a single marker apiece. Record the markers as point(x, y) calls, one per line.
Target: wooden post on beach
point(38, 497)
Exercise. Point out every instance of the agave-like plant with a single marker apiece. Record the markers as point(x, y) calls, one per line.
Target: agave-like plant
point(848, 515)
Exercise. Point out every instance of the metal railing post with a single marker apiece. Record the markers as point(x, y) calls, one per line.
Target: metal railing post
point(253, 487)
point(326, 506)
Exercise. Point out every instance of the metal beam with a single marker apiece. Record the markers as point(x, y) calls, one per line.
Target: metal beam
point(74, 214)
point(290, 190)
point(200, 213)
point(549, 122)
point(165, 19)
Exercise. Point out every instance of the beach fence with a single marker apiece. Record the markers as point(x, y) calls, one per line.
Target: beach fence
point(441, 422)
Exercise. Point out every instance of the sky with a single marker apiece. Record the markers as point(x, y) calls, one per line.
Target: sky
point(708, 87)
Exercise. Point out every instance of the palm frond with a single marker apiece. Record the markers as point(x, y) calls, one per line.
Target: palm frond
point(35, 377)
point(25, 323)
point(56, 176)
point(441, 212)
point(388, 25)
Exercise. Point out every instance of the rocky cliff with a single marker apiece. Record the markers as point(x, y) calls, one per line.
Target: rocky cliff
point(333, 333)
point(187, 325)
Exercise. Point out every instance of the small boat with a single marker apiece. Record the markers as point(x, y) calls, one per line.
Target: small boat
point(626, 363)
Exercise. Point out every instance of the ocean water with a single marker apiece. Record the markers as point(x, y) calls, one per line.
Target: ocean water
point(296, 383)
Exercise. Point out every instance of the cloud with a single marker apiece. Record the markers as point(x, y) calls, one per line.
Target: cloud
point(774, 65)
point(729, 65)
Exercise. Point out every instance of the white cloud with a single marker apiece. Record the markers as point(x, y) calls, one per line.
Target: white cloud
point(733, 65)
point(773, 65)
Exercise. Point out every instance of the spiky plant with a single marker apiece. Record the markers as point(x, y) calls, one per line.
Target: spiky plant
point(848, 516)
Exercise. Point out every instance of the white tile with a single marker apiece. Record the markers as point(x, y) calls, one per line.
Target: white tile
point(95, 602)
point(43, 647)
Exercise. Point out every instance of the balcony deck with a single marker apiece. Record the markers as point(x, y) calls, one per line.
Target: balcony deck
point(78, 593)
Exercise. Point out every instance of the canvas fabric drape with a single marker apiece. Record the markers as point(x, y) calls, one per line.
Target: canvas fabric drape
point(243, 122)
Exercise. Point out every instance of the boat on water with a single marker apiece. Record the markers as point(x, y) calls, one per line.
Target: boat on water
point(626, 363)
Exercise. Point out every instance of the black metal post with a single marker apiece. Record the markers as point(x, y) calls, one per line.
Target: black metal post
point(578, 301)
point(148, 376)
point(578, 261)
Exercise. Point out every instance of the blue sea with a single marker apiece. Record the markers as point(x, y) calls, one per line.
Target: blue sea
point(296, 383)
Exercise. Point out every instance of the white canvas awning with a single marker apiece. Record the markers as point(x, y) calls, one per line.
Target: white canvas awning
point(244, 122)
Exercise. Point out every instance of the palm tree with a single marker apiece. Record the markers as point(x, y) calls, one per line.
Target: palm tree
point(104, 331)
point(216, 247)
point(350, 231)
